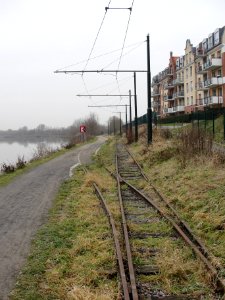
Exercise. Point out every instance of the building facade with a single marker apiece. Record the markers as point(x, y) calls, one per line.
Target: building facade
point(193, 81)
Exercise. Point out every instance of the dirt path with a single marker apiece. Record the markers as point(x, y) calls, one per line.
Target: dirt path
point(24, 206)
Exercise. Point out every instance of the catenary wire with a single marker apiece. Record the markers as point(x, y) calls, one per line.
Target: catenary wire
point(100, 55)
point(128, 52)
point(125, 34)
point(92, 49)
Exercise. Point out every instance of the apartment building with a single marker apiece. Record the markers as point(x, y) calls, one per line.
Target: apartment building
point(193, 81)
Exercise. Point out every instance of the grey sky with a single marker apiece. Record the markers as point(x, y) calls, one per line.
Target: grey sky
point(39, 36)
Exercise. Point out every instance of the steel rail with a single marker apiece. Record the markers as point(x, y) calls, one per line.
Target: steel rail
point(183, 224)
point(126, 238)
point(116, 242)
point(115, 238)
point(220, 281)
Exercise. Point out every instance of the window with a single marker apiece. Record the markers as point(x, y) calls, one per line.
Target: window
point(205, 44)
point(187, 100)
point(213, 74)
point(216, 37)
point(220, 92)
point(214, 92)
point(210, 41)
point(189, 57)
point(187, 73)
point(190, 70)
point(192, 100)
point(219, 72)
point(191, 86)
point(218, 54)
point(187, 87)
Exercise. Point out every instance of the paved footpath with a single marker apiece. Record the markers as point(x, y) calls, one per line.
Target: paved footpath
point(24, 206)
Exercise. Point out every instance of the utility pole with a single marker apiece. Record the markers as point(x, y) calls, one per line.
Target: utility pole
point(114, 125)
point(149, 109)
point(130, 129)
point(126, 122)
point(135, 109)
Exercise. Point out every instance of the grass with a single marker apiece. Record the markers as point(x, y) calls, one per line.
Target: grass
point(72, 256)
point(7, 178)
point(196, 190)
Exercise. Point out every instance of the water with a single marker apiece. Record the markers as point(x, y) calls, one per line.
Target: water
point(9, 152)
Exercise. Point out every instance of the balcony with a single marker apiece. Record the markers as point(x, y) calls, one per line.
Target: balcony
point(180, 108)
point(179, 94)
point(178, 81)
point(213, 82)
point(200, 69)
point(155, 93)
point(200, 101)
point(200, 52)
point(213, 100)
point(212, 64)
point(169, 85)
point(168, 98)
point(202, 85)
point(172, 110)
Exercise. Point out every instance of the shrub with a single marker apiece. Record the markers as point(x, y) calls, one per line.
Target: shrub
point(21, 163)
point(7, 168)
point(192, 142)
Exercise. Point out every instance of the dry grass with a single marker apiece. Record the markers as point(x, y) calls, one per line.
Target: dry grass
point(196, 191)
point(73, 255)
point(84, 293)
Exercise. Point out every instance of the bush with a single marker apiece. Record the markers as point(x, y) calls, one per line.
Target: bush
point(21, 163)
point(7, 168)
point(192, 142)
point(166, 133)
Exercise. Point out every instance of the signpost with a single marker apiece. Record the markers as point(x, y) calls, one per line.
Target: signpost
point(83, 130)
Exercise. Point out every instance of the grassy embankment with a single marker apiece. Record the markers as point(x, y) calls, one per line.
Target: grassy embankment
point(193, 180)
point(73, 257)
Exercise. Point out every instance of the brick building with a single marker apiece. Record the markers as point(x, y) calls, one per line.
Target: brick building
point(194, 80)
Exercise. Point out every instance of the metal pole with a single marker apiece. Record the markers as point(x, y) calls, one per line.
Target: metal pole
point(149, 110)
point(126, 122)
point(120, 124)
point(135, 108)
point(130, 129)
point(224, 125)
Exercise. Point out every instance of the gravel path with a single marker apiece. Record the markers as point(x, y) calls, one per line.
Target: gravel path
point(24, 205)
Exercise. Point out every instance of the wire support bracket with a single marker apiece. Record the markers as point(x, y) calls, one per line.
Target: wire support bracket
point(106, 8)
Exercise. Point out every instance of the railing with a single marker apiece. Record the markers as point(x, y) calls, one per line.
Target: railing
point(166, 98)
point(178, 94)
point(213, 63)
point(179, 80)
point(213, 100)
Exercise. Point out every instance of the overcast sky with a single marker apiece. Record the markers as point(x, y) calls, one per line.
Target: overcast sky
point(38, 37)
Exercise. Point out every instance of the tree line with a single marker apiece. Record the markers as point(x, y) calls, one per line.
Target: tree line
point(45, 133)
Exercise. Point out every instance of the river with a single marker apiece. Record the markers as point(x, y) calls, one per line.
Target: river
point(9, 152)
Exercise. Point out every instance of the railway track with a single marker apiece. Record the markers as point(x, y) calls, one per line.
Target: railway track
point(156, 240)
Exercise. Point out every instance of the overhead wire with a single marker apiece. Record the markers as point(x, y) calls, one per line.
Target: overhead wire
point(124, 40)
point(92, 49)
point(128, 52)
point(99, 56)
